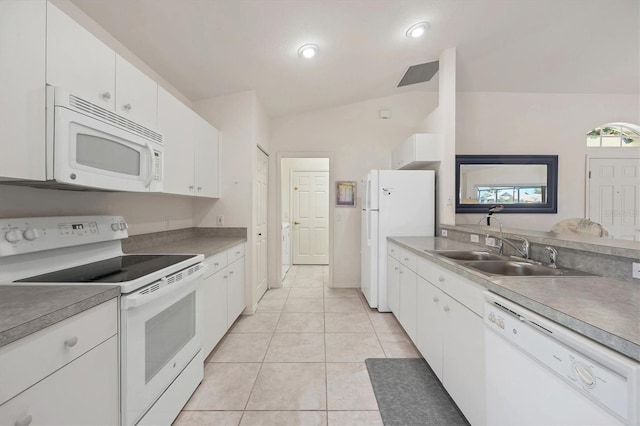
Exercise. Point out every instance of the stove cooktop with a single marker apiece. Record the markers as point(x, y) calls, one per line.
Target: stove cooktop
point(115, 270)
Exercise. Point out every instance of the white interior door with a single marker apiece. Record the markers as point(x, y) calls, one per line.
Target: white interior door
point(261, 181)
point(310, 213)
point(614, 196)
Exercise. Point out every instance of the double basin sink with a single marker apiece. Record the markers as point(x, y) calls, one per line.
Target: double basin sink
point(496, 265)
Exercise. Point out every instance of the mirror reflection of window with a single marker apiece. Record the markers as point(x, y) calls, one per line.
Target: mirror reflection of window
point(503, 184)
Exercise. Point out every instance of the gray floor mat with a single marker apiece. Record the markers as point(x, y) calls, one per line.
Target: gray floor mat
point(408, 393)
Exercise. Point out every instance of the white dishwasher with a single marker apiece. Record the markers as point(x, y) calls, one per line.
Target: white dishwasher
point(541, 373)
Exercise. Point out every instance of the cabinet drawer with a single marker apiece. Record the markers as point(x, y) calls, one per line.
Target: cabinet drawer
point(409, 259)
point(215, 263)
point(236, 253)
point(29, 360)
point(84, 392)
point(393, 251)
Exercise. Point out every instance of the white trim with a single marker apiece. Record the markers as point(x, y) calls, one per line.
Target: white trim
point(278, 228)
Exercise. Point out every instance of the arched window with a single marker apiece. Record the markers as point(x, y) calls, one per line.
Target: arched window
point(614, 135)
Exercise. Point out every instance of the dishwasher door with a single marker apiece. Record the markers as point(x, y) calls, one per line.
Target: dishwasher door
point(540, 373)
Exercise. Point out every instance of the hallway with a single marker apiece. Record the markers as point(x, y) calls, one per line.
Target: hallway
point(299, 360)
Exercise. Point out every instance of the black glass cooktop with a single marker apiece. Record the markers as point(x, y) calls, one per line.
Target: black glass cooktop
point(115, 270)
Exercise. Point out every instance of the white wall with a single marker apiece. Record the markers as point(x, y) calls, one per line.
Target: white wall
point(143, 212)
point(358, 141)
point(534, 123)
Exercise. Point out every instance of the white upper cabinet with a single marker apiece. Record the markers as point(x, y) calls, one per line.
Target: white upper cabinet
point(79, 62)
point(206, 159)
point(175, 124)
point(22, 94)
point(136, 94)
point(419, 150)
point(190, 149)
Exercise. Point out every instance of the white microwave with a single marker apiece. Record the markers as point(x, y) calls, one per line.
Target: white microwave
point(89, 147)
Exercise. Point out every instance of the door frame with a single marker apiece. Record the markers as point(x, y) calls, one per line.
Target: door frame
point(278, 228)
point(613, 153)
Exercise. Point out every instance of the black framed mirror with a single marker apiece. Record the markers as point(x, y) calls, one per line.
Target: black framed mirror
point(521, 183)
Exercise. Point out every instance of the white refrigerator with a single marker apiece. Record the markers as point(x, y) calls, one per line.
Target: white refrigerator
point(397, 203)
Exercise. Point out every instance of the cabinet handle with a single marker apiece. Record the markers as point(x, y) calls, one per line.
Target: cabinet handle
point(106, 96)
point(441, 279)
point(216, 264)
point(199, 188)
point(230, 272)
point(225, 277)
point(406, 259)
point(396, 268)
point(127, 107)
point(25, 421)
point(239, 252)
point(191, 187)
point(71, 341)
point(446, 309)
point(435, 299)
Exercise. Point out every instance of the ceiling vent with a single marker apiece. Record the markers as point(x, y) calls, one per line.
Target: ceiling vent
point(419, 73)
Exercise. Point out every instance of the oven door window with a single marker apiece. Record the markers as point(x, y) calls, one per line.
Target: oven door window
point(107, 154)
point(167, 333)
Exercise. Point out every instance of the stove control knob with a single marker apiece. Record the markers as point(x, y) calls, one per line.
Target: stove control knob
point(115, 227)
point(13, 236)
point(31, 234)
point(123, 226)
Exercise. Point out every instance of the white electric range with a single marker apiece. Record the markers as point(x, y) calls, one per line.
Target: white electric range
point(160, 307)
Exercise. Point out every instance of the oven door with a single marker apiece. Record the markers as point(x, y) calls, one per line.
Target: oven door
point(160, 334)
point(91, 153)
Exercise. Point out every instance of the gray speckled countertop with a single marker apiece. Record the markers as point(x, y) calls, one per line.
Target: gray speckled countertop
point(603, 309)
point(195, 245)
point(25, 309)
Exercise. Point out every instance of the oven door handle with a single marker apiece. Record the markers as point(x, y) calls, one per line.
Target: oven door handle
point(138, 298)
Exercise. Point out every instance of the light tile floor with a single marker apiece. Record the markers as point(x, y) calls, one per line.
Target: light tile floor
point(299, 360)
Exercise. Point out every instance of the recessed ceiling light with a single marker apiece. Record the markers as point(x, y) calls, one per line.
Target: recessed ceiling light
point(308, 50)
point(417, 30)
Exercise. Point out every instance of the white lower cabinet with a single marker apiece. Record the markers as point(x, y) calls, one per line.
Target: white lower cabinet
point(393, 285)
point(450, 336)
point(408, 306)
point(223, 295)
point(66, 374)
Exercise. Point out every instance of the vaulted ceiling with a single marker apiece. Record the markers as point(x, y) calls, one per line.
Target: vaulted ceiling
point(207, 48)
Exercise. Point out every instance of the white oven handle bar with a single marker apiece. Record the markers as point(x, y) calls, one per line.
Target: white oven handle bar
point(162, 287)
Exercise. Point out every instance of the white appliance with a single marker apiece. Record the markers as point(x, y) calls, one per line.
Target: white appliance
point(89, 147)
point(160, 307)
point(540, 373)
point(398, 203)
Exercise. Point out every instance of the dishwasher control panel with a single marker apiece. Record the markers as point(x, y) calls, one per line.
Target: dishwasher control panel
point(547, 343)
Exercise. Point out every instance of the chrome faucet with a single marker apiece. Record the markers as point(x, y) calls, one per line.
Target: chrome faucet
point(522, 251)
point(553, 256)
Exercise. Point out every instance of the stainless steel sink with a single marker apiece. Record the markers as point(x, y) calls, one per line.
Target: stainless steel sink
point(511, 268)
point(469, 255)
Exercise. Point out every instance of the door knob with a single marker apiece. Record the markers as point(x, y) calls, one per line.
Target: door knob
point(295, 222)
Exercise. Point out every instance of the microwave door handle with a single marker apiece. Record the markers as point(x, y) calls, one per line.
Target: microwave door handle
point(147, 183)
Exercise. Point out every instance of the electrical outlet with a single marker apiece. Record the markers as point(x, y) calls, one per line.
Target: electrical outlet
point(490, 242)
point(475, 238)
point(635, 270)
point(220, 220)
point(444, 232)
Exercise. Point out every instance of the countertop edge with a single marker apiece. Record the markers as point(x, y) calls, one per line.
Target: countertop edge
point(616, 343)
point(37, 324)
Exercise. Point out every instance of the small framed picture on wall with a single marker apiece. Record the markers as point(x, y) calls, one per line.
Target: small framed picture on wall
point(345, 194)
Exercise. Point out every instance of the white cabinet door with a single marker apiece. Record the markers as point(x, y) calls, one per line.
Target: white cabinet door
point(429, 330)
point(175, 123)
point(78, 61)
point(85, 392)
point(22, 93)
point(393, 285)
point(463, 369)
point(408, 304)
point(215, 309)
point(136, 94)
point(235, 290)
point(206, 159)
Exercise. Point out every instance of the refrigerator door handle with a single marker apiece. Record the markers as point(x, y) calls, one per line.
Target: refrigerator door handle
point(367, 206)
